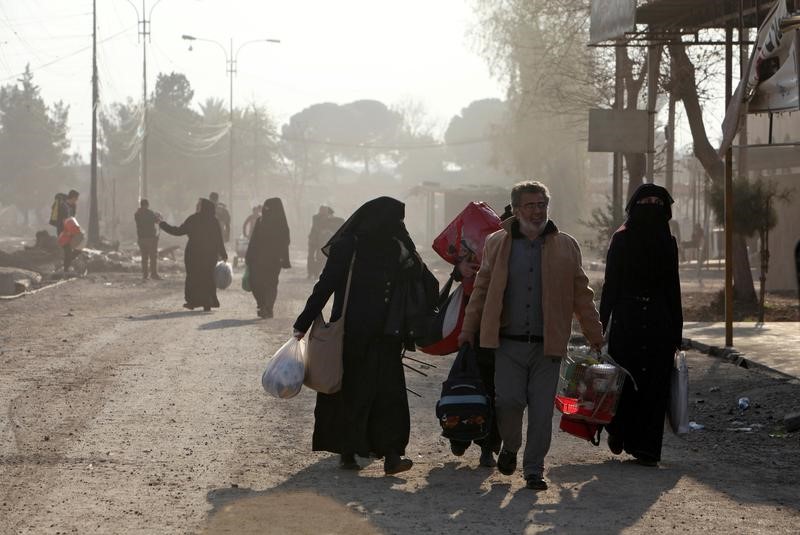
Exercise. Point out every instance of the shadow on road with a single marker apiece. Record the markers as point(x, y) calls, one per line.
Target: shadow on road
point(166, 315)
point(226, 323)
point(454, 498)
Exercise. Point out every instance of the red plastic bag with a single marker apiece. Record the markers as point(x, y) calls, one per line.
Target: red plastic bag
point(71, 230)
point(465, 235)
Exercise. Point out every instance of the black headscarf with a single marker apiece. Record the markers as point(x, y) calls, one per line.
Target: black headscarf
point(375, 219)
point(648, 190)
point(274, 217)
point(207, 208)
point(652, 246)
point(269, 242)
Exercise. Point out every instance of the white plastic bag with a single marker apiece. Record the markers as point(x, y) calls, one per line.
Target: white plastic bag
point(223, 275)
point(283, 377)
point(679, 395)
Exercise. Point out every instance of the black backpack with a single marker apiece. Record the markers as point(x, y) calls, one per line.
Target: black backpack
point(464, 410)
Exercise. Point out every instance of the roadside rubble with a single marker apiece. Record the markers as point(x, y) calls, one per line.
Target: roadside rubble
point(34, 266)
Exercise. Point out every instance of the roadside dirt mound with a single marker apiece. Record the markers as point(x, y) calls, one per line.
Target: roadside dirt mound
point(710, 306)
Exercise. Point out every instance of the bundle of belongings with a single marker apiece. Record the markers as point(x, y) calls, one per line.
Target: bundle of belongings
point(462, 239)
point(588, 392)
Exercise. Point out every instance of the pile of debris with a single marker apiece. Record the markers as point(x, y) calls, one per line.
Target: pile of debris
point(34, 266)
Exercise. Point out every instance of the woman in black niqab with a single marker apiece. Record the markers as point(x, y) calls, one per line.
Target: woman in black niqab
point(203, 250)
point(641, 313)
point(370, 415)
point(267, 253)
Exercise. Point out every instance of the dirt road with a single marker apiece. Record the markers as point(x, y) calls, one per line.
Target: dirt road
point(120, 412)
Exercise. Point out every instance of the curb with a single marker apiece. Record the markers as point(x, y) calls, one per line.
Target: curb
point(37, 290)
point(732, 355)
point(728, 354)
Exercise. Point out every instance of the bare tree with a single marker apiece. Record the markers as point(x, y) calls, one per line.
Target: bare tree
point(684, 86)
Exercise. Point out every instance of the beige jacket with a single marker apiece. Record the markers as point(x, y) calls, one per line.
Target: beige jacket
point(565, 290)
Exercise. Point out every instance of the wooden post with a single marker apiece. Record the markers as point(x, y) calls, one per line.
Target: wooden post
point(619, 104)
point(653, 61)
point(728, 194)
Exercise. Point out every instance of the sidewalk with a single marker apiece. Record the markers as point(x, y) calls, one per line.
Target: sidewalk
point(775, 345)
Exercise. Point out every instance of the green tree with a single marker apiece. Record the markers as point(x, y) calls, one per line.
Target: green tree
point(314, 135)
point(256, 147)
point(120, 138)
point(177, 140)
point(481, 119)
point(373, 123)
point(538, 48)
point(421, 156)
point(33, 145)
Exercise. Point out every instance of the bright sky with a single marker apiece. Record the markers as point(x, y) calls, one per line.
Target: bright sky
point(330, 51)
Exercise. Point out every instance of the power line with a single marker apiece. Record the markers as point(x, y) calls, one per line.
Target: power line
point(472, 141)
point(66, 56)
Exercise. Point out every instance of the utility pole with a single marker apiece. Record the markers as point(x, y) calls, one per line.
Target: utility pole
point(256, 128)
point(94, 225)
point(144, 32)
point(143, 19)
point(670, 166)
point(231, 73)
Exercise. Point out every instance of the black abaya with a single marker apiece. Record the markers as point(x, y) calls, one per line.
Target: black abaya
point(203, 250)
point(641, 300)
point(370, 414)
point(267, 253)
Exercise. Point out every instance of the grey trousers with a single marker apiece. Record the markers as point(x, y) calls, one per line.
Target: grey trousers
point(525, 378)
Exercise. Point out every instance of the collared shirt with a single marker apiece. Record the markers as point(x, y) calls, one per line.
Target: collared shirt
point(522, 301)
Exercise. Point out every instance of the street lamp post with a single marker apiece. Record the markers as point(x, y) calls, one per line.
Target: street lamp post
point(231, 62)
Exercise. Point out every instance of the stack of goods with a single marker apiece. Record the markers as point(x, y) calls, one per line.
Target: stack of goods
point(588, 393)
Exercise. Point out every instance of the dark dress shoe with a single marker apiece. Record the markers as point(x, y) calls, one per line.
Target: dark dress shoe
point(646, 461)
point(535, 483)
point(506, 462)
point(487, 458)
point(348, 462)
point(458, 448)
point(615, 444)
point(395, 465)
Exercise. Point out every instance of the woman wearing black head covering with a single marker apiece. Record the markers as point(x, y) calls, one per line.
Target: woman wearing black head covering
point(642, 300)
point(203, 250)
point(370, 415)
point(267, 253)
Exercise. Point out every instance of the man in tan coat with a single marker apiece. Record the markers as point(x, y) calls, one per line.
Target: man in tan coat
point(527, 289)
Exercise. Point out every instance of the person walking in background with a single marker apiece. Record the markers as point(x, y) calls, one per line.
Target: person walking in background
point(222, 215)
point(250, 222)
point(267, 254)
point(146, 221)
point(317, 237)
point(529, 285)
point(369, 415)
point(641, 311)
point(66, 209)
point(58, 212)
point(203, 250)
